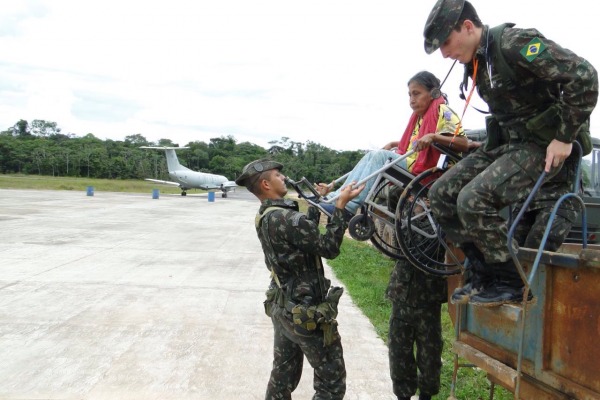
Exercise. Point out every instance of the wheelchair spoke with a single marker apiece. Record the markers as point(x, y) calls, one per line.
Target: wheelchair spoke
point(417, 231)
point(381, 209)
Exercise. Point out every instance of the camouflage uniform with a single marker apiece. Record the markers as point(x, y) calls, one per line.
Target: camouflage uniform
point(530, 230)
point(293, 247)
point(551, 97)
point(416, 298)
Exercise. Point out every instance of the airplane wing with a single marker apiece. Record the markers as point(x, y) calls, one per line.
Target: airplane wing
point(224, 186)
point(163, 182)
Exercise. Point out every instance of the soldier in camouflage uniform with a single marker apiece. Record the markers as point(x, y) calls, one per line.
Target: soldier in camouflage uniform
point(300, 301)
point(540, 97)
point(416, 321)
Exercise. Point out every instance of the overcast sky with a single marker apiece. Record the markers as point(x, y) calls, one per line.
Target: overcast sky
point(332, 72)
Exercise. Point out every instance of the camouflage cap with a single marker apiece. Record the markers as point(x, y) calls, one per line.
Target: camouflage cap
point(256, 167)
point(441, 21)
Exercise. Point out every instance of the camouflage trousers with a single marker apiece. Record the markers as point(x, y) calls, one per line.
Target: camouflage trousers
point(421, 327)
point(468, 198)
point(289, 350)
point(530, 230)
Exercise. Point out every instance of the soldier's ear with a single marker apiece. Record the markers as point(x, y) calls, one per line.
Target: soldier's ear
point(264, 185)
point(265, 181)
point(468, 25)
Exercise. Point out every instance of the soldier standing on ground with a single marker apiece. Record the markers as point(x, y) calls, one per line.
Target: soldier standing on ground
point(416, 321)
point(300, 300)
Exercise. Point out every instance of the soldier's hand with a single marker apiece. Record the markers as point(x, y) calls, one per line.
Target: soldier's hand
point(348, 193)
point(334, 294)
point(556, 153)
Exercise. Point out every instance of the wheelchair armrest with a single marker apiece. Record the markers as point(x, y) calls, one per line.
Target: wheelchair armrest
point(455, 156)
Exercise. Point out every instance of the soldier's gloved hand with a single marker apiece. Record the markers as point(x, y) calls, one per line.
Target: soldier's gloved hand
point(326, 311)
point(334, 294)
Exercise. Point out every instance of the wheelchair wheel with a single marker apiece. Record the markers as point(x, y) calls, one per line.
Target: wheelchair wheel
point(385, 198)
point(417, 231)
point(361, 227)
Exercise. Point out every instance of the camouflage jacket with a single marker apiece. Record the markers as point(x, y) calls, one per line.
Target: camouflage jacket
point(548, 82)
point(414, 287)
point(293, 246)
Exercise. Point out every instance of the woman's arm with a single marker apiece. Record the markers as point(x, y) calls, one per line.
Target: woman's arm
point(391, 145)
point(458, 143)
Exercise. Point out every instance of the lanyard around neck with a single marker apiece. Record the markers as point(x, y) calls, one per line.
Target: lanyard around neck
point(474, 79)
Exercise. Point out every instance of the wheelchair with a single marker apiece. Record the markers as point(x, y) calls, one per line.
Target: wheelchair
point(396, 216)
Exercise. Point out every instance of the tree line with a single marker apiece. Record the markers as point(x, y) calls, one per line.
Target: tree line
point(41, 148)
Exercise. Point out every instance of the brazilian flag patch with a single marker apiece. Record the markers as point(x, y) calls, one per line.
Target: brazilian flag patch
point(533, 49)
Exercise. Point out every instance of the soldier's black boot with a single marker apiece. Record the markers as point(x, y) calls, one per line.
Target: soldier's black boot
point(480, 275)
point(500, 293)
point(508, 287)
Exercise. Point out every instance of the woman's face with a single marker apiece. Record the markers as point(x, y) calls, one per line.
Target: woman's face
point(420, 98)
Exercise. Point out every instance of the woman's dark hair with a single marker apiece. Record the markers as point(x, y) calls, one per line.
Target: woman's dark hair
point(426, 79)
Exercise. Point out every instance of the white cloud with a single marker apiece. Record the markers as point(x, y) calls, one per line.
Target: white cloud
point(333, 72)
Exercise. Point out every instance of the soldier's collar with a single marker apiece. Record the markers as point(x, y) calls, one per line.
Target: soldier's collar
point(484, 42)
point(285, 203)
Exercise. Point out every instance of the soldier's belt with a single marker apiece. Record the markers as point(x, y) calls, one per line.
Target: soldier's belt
point(308, 318)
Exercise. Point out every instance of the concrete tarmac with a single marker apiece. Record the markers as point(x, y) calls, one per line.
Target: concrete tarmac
point(122, 296)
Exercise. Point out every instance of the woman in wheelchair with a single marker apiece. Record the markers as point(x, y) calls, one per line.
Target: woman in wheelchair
point(432, 121)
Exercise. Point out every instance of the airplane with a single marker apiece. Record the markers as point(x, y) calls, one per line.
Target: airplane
point(187, 179)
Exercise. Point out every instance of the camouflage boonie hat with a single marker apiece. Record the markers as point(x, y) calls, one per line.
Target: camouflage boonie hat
point(256, 167)
point(441, 21)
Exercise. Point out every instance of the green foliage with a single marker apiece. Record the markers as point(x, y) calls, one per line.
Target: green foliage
point(40, 148)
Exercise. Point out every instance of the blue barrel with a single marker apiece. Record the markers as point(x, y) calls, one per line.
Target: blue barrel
point(211, 196)
point(155, 193)
point(90, 190)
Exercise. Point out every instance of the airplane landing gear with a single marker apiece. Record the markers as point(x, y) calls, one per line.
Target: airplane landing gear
point(183, 193)
point(224, 195)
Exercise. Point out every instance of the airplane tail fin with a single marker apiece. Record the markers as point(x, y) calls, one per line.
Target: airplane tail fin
point(172, 160)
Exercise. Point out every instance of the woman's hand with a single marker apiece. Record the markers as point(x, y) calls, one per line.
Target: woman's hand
point(324, 188)
point(390, 146)
point(424, 142)
point(473, 144)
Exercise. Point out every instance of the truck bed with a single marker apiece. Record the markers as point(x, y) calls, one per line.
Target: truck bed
point(561, 353)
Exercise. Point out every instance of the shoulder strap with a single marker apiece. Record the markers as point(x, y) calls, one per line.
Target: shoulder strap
point(257, 223)
point(500, 63)
point(260, 216)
